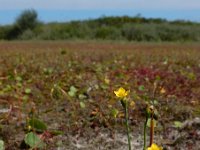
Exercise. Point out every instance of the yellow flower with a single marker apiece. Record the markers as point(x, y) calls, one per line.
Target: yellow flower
point(162, 91)
point(121, 93)
point(29, 128)
point(150, 109)
point(107, 81)
point(132, 104)
point(154, 147)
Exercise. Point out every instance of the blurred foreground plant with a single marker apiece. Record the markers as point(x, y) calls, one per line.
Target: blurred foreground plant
point(151, 117)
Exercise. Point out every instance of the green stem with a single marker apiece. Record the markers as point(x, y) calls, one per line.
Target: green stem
point(127, 126)
point(145, 134)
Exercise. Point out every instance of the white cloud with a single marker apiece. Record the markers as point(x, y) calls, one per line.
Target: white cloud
point(100, 4)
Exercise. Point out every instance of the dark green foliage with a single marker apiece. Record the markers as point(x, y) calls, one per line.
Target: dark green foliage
point(23, 26)
point(4, 31)
point(107, 32)
point(110, 28)
point(37, 125)
point(27, 20)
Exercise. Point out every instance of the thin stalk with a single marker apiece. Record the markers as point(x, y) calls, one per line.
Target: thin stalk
point(151, 130)
point(127, 126)
point(152, 116)
point(145, 133)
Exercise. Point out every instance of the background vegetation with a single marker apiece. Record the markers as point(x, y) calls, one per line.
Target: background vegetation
point(28, 27)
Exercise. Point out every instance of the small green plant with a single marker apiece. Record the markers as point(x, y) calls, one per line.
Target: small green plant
point(34, 126)
point(33, 140)
point(37, 132)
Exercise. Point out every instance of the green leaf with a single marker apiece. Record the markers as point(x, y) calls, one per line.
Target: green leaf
point(25, 98)
point(104, 86)
point(19, 84)
point(82, 96)
point(158, 78)
point(178, 124)
point(82, 104)
point(72, 91)
point(2, 145)
point(149, 122)
point(114, 112)
point(48, 71)
point(56, 132)
point(37, 124)
point(33, 140)
point(165, 62)
point(8, 88)
point(18, 78)
point(141, 88)
point(191, 76)
point(155, 102)
point(71, 94)
point(27, 91)
point(96, 86)
point(29, 80)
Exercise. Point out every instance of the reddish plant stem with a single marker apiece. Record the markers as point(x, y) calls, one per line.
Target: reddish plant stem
point(151, 129)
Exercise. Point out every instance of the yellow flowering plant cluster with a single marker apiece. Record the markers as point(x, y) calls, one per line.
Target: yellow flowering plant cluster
point(122, 95)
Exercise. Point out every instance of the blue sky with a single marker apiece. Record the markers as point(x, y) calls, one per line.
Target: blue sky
point(66, 10)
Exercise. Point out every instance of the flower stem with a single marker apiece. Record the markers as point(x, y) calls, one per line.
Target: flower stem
point(127, 126)
point(145, 134)
point(151, 130)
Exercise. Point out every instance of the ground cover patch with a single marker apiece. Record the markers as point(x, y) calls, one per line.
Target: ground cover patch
point(69, 86)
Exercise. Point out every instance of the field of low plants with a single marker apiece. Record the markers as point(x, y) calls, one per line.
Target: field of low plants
point(60, 95)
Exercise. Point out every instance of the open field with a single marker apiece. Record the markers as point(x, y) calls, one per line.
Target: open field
point(69, 86)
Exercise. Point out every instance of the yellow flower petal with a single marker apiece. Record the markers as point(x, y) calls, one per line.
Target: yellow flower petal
point(121, 93)
point(107, 81)
point(132, 104)
point(162, 91)
point(154, 147)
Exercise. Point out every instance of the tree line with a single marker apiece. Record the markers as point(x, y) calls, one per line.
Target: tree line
point(28, 27)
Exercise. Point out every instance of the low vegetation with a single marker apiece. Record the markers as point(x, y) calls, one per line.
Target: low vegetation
point(28, 27)
point(60, 95)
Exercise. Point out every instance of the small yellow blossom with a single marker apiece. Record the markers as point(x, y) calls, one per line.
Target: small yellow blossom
point(29, 128)
point(132, 104)
point(107, 81)
point(154, 147)
point(162, 91)
point(150, 109)
point(121, 115)
point(121, 93)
